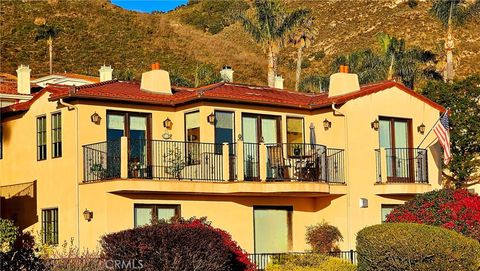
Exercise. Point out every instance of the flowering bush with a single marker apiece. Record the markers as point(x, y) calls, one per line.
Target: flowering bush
point(323, 237)
point(179, 245)
point(456, 210)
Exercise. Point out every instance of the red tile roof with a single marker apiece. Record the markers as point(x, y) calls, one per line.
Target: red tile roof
point(228, 92)
point(92, 79)
point(10, 87)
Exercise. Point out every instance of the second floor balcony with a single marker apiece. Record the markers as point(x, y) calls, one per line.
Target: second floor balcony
point(213, 163)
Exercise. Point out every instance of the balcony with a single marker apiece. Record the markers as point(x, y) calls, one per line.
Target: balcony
point(279, 168)
point(401, 171)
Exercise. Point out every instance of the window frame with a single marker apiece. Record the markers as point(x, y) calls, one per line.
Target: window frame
point(382, 206)
point(41, 157)
point(154, 209)
point(57, 150)
point(55, 232)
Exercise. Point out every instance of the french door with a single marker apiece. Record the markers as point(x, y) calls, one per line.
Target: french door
point(136, 127)
point(257, 129)
point(395, 137)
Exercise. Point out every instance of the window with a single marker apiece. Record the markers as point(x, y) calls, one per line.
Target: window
point(272, 229)
point(56, 135)
point(224, 123)
point(387, 209)
point(294, 134)
point(41, 138)
point(50, 226)
point(145, 213)
point(192, 130)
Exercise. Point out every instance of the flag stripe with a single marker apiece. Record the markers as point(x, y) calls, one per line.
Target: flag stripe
point(442, 132)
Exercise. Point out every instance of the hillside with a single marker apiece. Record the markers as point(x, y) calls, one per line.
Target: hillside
point(97, 32)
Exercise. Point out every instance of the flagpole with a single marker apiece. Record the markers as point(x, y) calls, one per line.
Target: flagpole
point(425, 137)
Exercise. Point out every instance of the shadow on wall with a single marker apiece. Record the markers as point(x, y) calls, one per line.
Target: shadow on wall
point(437, 153)
point(18, 202)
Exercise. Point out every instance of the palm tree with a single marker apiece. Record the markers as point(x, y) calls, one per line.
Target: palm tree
point(314, 83)
point(270, 26)
point(48, 33)
point(451, 12)
point(303, 38)
point(369, 66)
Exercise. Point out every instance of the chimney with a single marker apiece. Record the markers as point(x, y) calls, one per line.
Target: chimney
point(343, 82)
point(105, 73)
point(156, 80)
point(23, 79)
point(227, 74)
point(278, 82)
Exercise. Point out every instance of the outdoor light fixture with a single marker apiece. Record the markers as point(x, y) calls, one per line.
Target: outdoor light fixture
point(88, 215)
point(95, 118)
point(327, 124)
point(375, 124)
point(211, 118)
point(167, 123)
point(421, 128)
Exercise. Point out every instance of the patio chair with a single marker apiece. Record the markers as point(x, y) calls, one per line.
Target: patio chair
point(276, 163)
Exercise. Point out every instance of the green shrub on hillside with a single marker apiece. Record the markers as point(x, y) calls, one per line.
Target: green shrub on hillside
point(405, 246)
point(310, 262)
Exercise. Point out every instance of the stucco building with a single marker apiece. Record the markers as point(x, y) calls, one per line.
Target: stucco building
point(262, 163)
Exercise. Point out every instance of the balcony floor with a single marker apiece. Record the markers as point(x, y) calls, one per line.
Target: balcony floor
point(243, 188)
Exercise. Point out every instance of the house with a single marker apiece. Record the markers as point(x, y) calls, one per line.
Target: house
point(73, 79)
point(15, 89)
point(262, 163)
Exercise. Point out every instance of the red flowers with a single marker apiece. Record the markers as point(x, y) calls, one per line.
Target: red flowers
point(457, 210)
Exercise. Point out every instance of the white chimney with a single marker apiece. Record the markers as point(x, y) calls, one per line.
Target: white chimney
point(156, 80)
point(278, 82)
point(105, 73)
point(343, 82)
point(227, 74)
point(23, 79)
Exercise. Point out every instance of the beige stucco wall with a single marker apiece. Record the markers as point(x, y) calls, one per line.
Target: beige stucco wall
point(57, 178)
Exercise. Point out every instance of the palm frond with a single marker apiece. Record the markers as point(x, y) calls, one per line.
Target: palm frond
point(290, 21)
point(251, 28)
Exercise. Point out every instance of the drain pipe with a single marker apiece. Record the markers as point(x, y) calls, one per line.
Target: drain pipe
point(77, 188)
point(337, 112)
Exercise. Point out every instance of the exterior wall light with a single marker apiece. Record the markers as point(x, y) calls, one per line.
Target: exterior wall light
point(167, 123)
point(88, 215)
point(421, 128)
point(327, 124)
point(95, 118)
point(211, 118)
point(375, 124)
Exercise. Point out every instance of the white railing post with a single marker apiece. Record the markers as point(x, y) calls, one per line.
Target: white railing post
point(383, 165)
point(123, 157)
point(239, 161)
point(226, 162)
point(262, 161)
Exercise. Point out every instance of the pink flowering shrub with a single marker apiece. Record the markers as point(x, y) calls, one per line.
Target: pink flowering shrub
point(456, 210)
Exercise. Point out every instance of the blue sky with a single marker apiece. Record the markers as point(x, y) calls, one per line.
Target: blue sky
point(149, 5)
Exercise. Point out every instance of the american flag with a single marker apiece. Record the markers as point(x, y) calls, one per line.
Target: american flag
point(442, 131)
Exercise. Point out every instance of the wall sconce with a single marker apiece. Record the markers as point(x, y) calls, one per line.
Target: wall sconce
point(88, 215)
point(95, 118)
point(375, 124)
point(327, 124)
point(167, 123)
point(421, 128)
point(211, 118)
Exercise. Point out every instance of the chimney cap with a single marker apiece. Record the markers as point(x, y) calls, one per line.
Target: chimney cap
point(226, 67)
point(155, 66)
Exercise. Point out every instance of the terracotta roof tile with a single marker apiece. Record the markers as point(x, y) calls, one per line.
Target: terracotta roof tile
point(92, 79)
point(10, 87)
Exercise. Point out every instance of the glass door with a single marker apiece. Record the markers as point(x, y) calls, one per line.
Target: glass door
point(272, 229)
point(250, 147)
point(115, 130)
point(395, 138)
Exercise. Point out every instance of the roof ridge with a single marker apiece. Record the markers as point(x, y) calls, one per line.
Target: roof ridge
point(76, 88)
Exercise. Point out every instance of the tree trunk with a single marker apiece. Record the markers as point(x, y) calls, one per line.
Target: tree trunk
point(50, 51)
point(271, 67)
point(390, 68)
point(299, 67)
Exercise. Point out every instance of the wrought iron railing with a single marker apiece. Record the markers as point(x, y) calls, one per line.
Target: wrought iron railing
point(101, 161)
point(261, 260)
point(232, 160)
point(159, 159)
point(403, 165)
point(251, 161)
point(296, 161)
point(335, 165)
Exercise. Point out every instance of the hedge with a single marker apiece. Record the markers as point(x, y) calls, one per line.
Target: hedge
point(409, 246)
point(310, 262)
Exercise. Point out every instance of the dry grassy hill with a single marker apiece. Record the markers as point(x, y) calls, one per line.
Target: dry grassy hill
point(97, 32)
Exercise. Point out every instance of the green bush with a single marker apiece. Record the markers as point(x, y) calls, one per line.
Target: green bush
point(323, 237)
point(8, 234)
point(408, 246)
point(310, 262)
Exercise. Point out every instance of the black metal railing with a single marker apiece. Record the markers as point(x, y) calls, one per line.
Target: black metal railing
point(261, 260)
point(232, 161)
point(159, 159)
point(404, 165)
point(251, 164)
point(335, 165)
point(101, 161)
point(296, 161)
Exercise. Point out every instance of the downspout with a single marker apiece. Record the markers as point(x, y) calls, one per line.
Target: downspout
point(337, 112)
point(77, 188)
